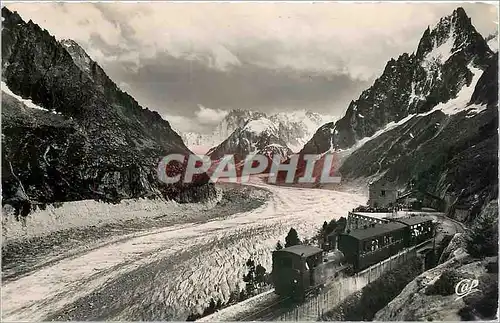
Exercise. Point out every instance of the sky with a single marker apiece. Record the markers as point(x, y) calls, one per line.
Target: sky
point(193, 62)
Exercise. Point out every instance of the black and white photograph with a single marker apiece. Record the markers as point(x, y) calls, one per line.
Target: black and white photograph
point(225, 161)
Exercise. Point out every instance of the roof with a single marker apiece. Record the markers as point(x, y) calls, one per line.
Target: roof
point(414, 220)
point(376, 230)
point(302, 250)
point(375, 215)
point(404, 195)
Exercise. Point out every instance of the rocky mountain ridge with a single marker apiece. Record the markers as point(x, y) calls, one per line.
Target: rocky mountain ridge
point(430, 121)
point(94, 141)
point(445, 60)
point(450, 150)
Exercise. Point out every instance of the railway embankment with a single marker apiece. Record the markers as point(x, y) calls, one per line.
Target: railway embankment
point(364, 304)
point(471, 255)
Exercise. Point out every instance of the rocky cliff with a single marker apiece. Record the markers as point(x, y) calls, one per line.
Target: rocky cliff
point(446, 59)
point(451, 151)
point(89, 139)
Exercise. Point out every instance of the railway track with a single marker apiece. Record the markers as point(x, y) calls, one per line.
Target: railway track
point(275, 308)
point(268, 310)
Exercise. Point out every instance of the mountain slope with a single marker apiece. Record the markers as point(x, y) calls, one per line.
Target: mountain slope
point(451, 150)
point(232, 121)
point(109, 147)
point(297, 127)
point(446, 59)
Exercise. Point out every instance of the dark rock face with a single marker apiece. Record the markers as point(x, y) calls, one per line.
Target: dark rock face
point(486, 90)
point(414, 83)
point(453, 155)
point(97, 142)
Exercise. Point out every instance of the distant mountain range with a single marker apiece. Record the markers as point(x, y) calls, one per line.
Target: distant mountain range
point(293, 129)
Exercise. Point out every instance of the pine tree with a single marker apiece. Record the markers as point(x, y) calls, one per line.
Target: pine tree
point(279, 246)
point(249, 278)
point(260, 275)
point(292, 239)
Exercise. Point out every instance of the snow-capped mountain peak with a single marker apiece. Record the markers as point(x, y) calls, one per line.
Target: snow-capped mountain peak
point(294, 128)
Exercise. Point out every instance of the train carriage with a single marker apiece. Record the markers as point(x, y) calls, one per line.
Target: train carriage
point(419, 229)
point(365, 247)
point(300, 269)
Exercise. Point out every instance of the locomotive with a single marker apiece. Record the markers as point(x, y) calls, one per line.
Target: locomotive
point(303, 269)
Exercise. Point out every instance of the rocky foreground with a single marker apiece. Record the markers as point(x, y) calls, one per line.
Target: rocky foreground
point(432, 296)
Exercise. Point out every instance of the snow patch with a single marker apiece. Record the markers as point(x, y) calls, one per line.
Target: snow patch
point(475, 109)
point(493, 43)
point(414, 96)
point(26, 102)
point(439, 54)
point(460, 103)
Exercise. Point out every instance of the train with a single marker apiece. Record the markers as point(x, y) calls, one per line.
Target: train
point(304, 269)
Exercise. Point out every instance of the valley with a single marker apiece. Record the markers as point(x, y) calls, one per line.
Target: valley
point(90, 231)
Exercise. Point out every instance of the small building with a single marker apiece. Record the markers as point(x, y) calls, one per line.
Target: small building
point(382, 194)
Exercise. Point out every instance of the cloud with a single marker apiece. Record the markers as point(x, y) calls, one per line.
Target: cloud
point(209, 116)
point(259, 56)
point(203, 120)
point(357, 38)
point(180, 124)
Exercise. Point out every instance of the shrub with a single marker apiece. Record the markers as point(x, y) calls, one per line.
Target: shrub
point(482, 237)
point(445, 285)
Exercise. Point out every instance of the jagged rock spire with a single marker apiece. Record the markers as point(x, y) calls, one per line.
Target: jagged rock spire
point(446, 59)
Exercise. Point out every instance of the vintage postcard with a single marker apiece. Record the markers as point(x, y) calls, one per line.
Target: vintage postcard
point(249, 161)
